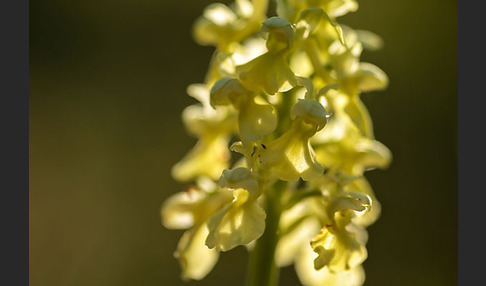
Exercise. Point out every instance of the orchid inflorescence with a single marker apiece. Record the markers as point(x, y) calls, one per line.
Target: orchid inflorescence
point(283, 143)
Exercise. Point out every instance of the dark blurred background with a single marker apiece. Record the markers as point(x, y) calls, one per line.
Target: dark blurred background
point(107, 86)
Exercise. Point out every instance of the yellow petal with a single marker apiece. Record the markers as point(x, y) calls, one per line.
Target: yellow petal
point(301, 64)
point(268, 72)
point(256, 120)
point(337, 8)
point(370, 40)
point(209, 157)
point(308, 22)
point(338, 249)
point(178, 210)
point(341, 145)
point(289, 157)
point(290, 244)
point(364, 219)
point(369, 77)
point(223, 26)
point(195, 258)
point(308, 276)
point(240, 223)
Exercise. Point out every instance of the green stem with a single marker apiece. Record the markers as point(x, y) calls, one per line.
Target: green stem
point(262, 270)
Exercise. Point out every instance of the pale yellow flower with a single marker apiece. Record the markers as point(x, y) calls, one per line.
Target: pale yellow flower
point(241, 221)
point(355, 76)
point(242, 53)
point(223, 26)
point(309, 276)
point(298, 225)
point(332, 185)
point(270, 72)
point(213, 128)
point(191, 210)
point(304, 150)
point(254, 120)
point(340, 245)
point(364, 219)
point(291, 156)
point(290, 9)
point(342, 146)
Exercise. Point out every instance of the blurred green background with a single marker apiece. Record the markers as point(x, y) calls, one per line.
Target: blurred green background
point(107, 86)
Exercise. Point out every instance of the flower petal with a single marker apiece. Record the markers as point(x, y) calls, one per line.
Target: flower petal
point(195, 258)
point(369, 77)
point(289, 157)
point(268, 72)
point(310, 277)
point(178, 210)
point(240, 223)
point(338, 249)
point(209, 157)
point(256, 120)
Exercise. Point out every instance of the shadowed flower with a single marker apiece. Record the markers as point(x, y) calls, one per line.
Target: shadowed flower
point(355, 76)
point(210, 156)
point(341, 245)
point(335, 8)
point(309, 276)
point(191, 210)
point(342, 146)
point(222, 26)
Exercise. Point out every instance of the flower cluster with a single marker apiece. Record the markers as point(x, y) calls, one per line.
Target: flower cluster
point(280, 122)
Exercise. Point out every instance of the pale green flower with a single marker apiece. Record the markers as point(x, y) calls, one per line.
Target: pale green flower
point(342, 146)
point(254, 120)
point(364, 219)
point(223, 26)
point(309, 276)
point(191, 210)
point(207, 158)
point(298, 225)
point(241, 221)
point(315, 31)
point(298, 194)
point(195, 258)
point(291, 156)
point(213, 127)
point(332, 185)
point(270, 72)
point(335, 8)
point(315, 21)
point(341, 245)
point(290, 9)
point(355, 76)
point(242, 53)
